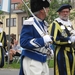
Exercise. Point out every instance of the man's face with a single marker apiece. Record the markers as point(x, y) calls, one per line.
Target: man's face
point(44, 12)
point(64, 14)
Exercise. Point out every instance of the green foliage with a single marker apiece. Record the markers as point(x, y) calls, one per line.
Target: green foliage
point(24, 8)
point(72, 14)
point(1, 15)
point(51, 63)
point(52, 13)
point(15, 65)
point(1, 12)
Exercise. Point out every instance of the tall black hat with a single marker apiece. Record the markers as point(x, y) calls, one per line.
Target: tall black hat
point(37, 5)
point(64, 6)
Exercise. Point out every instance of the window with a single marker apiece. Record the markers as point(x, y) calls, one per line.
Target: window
point(13, 22)
point(7, 22)
point(14, 6)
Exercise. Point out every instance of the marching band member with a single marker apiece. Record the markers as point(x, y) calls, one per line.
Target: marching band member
point(34, 39)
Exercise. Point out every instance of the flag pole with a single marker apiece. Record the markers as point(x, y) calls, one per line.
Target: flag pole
point(9, 33)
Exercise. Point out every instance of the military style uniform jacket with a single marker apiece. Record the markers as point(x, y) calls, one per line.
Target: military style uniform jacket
point(32, 42)
point(64, 52)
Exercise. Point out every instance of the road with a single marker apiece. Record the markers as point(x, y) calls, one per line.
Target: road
point(16, 71)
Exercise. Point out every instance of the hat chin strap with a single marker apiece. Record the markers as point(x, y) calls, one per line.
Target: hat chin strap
point(45, 11)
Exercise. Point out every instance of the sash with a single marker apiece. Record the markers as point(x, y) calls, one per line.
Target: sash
point(38, 30)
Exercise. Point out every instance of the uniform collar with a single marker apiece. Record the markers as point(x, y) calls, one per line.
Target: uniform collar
point(67, 23)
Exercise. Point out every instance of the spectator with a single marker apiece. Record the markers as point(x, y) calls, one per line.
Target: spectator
point(14, 51)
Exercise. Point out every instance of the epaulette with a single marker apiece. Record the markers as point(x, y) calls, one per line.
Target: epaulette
point(29, 21)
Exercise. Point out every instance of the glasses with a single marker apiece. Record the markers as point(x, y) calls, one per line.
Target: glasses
point(65, 11)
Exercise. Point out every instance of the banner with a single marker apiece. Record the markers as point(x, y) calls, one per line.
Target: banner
point(5, 5)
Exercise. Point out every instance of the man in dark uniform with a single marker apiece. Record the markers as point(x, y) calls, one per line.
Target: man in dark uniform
point(3, 44)
point(61, 30)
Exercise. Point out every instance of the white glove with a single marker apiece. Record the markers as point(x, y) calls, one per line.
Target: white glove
point(0, 44)
point(72, 32)
point(47, 38)
point(72, 38)
point(6, 53)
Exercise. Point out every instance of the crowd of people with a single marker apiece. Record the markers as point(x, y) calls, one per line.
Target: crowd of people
point(38, 42)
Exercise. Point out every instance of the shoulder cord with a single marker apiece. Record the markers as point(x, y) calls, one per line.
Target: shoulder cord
point(40, 29)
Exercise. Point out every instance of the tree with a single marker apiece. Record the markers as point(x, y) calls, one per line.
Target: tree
point(24, 8)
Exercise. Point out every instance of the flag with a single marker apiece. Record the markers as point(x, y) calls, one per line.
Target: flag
point(5, 5)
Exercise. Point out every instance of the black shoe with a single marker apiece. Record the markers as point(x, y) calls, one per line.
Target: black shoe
point(10, 62)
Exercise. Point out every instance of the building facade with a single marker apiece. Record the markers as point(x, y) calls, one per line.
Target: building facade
point(17, 18)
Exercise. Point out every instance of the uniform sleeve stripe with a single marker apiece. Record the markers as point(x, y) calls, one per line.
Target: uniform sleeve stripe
point(33, 43)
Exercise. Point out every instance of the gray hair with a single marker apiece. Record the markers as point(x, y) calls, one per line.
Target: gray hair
point(35, 13)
